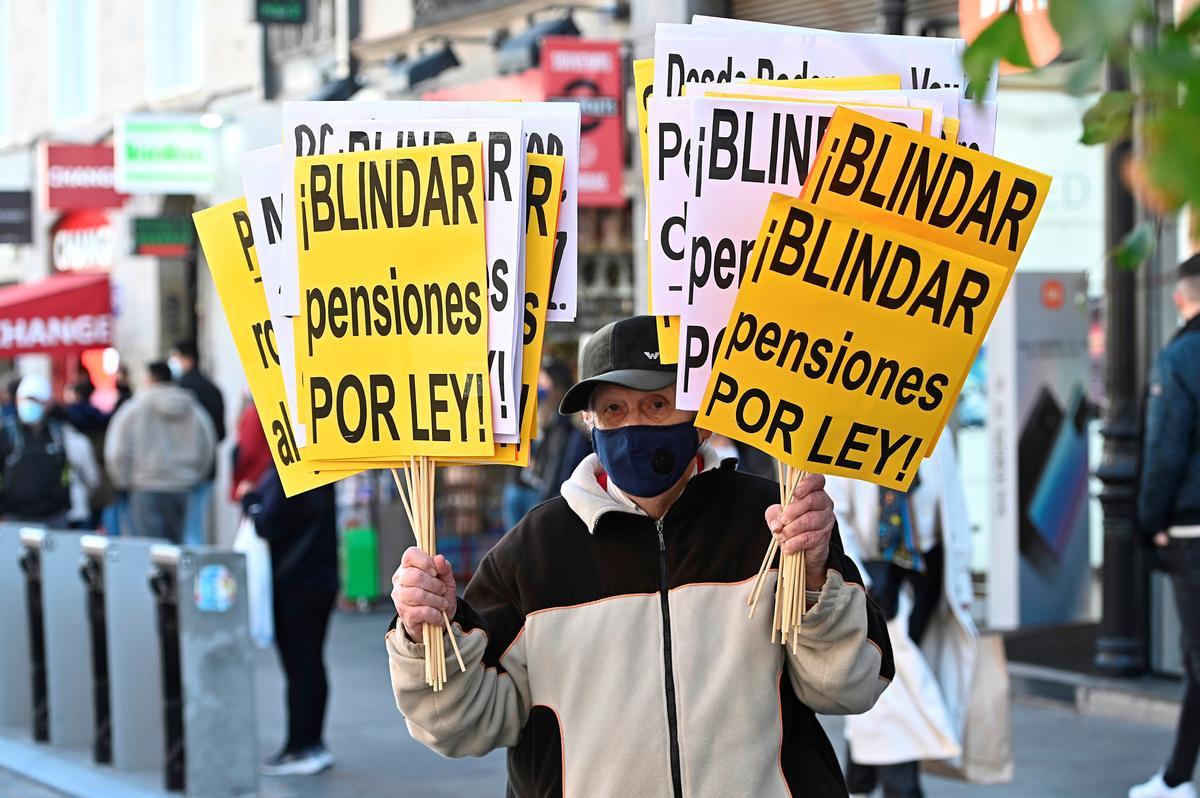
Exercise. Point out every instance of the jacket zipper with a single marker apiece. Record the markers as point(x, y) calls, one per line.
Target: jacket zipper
point(672, 717)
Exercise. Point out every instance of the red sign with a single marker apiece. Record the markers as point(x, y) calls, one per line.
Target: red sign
point(68, 313)
point(526, 86)
point(83, 241)
point(590, 73)
point(78, 176)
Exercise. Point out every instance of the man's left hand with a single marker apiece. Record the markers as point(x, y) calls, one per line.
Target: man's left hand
point(805, 524)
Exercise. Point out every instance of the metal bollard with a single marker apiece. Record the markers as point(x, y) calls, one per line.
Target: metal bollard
point(92, 572)
point(210, 741)
point(31, 566)
point(125, 652)
point(166, 599)
point(63, 677)
point(15, 678)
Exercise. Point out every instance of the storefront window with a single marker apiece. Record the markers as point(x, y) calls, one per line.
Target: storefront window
point(73, 73)
point(5, 72)
point(174, 36)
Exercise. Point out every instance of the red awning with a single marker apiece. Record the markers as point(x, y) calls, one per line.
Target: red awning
point(58, 315)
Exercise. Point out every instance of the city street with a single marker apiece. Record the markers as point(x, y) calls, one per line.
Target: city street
point(1059, 754)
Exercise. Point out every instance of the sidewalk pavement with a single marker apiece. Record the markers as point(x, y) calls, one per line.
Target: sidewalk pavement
point(1059, 753)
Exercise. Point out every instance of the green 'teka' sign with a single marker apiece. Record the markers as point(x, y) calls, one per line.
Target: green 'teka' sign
point(293, 12)
point(165, 154)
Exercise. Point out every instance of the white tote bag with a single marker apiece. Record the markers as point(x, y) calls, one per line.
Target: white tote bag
point(258, 583)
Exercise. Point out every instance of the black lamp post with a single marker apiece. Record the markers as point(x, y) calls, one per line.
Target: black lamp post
point(1122, 645)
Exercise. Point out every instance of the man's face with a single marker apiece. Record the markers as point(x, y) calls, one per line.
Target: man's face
point(614, 406)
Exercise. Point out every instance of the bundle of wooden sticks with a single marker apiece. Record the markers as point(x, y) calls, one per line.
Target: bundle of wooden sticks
point(417, 493)
point(789, 586)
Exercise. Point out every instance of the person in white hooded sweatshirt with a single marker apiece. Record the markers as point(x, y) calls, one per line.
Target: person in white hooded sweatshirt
point(915, 549)
point(160, 445)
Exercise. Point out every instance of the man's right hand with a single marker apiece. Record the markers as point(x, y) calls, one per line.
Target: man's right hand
point(422, 589)
point(1161, 539)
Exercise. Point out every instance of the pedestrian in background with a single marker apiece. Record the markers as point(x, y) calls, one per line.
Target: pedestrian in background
point(160, 446)
point(302, 534)
point(78, 411)
point(47, 469)
point(8, 393)
point(251, 454)
point(915, 549)
point(123, 386)
point(184, 363)
point(1169, 513)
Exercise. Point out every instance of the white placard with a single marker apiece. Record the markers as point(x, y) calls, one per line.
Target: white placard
point(504, 224)
point(977, 126)
point(724, 51)
point(263, 180)
point(551, 128)
point(669, 122)
point(744, 151)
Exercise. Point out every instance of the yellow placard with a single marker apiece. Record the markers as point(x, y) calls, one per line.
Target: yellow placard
point(668, 339)
point(950, 127)
point(540, 226)
point(846, 343)
point(643, 86)
point(852, 83)
point(224, 232)
point(543, 194)
point(952, 196)
point(392, 359)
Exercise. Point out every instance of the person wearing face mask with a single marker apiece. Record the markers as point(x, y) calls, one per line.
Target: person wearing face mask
point(606, 636)
point(184, 363)
point(1169, 513)
point(47, 469)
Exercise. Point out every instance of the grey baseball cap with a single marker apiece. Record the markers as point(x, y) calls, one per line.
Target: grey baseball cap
point(624, 352)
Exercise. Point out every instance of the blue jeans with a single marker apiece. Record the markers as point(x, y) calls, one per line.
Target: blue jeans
point(115, 517)
point(516, 500)
point(195, 525)
point(158, 514)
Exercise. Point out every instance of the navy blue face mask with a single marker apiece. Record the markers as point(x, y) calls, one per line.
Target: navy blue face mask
point(645, 461)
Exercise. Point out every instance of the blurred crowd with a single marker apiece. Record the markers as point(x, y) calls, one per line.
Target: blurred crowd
point(143, 467)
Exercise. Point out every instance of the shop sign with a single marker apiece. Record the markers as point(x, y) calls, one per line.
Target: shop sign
point(16, 217)
point(165, 154)
point(290, 12)
point(164, 236)
point(590, 73)
point(78, 176)
point(83, 241)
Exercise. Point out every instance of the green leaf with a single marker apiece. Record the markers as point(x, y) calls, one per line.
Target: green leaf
point(1136, 247)
point(1092, 26)
point(1108, 119)
point(1000, 41)
point(1081, 79)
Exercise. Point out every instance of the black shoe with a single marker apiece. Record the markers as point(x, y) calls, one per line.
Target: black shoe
point(307, 762)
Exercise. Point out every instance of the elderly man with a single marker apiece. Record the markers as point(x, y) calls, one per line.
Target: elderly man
point(606, 637)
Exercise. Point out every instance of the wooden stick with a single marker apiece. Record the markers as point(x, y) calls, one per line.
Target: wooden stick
point(404, 499)
point(776, 611)
point(761, 580)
